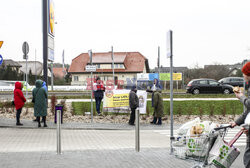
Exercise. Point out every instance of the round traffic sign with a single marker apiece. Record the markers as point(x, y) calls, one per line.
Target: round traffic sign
point(1, 59)
point(25, 48)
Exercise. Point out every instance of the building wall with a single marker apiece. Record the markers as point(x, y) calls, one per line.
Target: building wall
point(82, 78)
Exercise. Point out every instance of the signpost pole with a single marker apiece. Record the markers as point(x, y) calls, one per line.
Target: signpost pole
point(90, 55)
point(170, 55)
point(26, 77)
point(113, 66)
point(25, 49)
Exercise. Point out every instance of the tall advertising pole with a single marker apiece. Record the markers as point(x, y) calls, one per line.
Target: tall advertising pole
point(170, 55)
point(45, 39)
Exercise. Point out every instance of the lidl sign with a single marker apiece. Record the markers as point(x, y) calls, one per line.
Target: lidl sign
point(51, 17)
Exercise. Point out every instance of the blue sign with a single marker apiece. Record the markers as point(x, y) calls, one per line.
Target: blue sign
point(153, 76)
point(1, 59)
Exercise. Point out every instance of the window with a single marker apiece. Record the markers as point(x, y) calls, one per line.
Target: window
point(203, 82)
point(121, 66)
point(116, 65)
point(213, 83)
point(98, 66)
point(76, 78)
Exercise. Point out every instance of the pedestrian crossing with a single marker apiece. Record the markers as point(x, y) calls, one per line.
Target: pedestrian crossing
point(229, 136)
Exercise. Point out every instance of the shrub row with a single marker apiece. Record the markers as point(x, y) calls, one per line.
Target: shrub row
point(194, 107)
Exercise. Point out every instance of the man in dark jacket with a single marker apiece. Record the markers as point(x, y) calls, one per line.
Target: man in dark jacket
point(98, 93)
point(133, 104)
point(19, 100)
point(241, 120)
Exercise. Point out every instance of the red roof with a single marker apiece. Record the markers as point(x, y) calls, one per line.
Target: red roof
point(59, 73)
point(133, 62)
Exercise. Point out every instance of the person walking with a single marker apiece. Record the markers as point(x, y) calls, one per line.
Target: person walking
point(19, 101)
point(40, 107)
point(133, 104)
point(99, 90)
point(241, 120)
point(158, 107)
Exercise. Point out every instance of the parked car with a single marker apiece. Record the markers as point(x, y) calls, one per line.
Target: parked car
point(234, 81)
point(197, 86)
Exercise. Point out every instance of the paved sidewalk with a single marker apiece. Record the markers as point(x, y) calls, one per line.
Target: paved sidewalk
point(87, 145)
point(122, 158)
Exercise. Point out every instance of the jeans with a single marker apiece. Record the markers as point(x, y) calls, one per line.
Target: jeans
point(18, 113)
point(98, 101)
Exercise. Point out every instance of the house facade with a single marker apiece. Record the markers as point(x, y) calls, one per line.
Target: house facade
point(126, 67)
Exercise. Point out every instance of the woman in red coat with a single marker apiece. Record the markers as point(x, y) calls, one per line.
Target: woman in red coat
point(19, 100)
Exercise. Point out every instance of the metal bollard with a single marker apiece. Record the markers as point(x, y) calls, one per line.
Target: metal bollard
point(59, 149)
point(137, 130)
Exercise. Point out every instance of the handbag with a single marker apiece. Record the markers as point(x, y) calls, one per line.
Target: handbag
point(12, 103)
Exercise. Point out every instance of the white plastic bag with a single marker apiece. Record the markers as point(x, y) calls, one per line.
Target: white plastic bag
point(187, 126)
point(247, 119)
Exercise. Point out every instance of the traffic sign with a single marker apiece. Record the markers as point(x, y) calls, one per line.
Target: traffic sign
point(25, 50)
point(1, 43)
point(90, 68)
point(1, 59)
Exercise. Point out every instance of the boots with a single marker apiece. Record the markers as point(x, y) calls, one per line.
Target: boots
point(38, 120)
point(44, 121)
point(159, 121)
point(154, 120)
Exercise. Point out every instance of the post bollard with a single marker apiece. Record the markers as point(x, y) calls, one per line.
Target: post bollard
point(58, 107)
point(58, 117)
point(59, 149)
point(137, 130)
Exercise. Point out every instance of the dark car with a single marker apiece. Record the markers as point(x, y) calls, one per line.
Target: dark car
point(197, 86)
point(234, 81)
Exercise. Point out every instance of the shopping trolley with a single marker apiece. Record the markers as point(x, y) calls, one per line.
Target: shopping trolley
point(199, 147)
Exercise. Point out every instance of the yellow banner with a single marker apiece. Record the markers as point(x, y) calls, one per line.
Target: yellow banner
point(118, 100)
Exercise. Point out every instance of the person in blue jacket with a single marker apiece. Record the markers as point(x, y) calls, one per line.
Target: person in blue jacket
point(45, 86)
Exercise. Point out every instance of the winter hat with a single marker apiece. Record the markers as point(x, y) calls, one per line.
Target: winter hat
point(246, 69)
point(133, 87)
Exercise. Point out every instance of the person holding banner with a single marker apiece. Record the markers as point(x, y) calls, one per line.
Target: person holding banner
point(98, 93)
point(133, 104)
point(246, 115)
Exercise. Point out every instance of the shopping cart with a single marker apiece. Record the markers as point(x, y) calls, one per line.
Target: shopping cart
point(198, 148)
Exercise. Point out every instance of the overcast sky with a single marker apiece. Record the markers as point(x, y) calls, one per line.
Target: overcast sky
point(204, 31)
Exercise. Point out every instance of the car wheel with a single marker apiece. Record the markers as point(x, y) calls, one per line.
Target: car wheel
point(226, 91)
point(196, 91)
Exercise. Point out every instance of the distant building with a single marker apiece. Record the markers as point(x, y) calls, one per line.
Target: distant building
point(59, 72)
point(126, 66)
point(231, 68)
point(12, 64)
point(36, 67)
point(167, 69)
